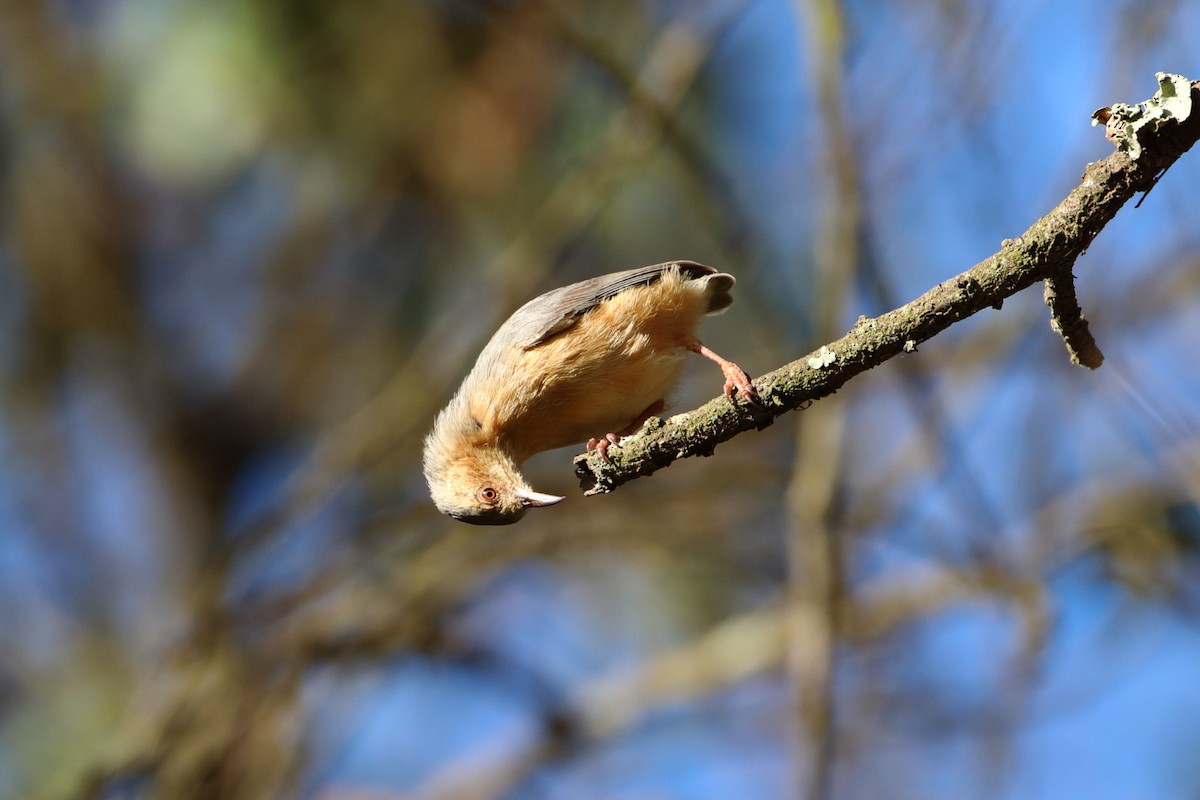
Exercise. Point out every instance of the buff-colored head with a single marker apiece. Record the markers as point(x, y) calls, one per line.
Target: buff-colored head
point(479, 485)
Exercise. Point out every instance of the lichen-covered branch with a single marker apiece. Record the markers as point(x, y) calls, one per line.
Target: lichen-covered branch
point(1047, 250)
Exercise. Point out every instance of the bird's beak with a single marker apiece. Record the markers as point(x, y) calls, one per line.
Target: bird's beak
point(532, 499)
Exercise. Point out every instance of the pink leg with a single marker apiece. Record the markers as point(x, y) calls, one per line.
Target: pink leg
point(735, 376)
point(602, 445)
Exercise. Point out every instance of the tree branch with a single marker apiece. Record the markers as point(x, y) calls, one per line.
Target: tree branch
point(1066, 319)
point(1150, 141)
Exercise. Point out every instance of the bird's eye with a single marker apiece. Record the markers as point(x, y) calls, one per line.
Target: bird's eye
point(488, 495)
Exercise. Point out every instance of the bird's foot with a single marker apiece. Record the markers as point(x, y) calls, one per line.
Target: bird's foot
point(736, 378)
point(601, 445)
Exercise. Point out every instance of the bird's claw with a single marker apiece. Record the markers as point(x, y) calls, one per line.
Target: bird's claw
point(735, 376)
point(737, 379)
point(601, 445)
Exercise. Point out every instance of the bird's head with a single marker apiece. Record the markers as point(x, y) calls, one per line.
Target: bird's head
point(481, 486)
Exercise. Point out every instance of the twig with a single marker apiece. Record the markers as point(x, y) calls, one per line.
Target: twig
point(1046, 250)
point(1066, 318)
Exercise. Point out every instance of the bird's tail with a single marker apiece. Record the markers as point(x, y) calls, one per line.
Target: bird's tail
point(718, 287)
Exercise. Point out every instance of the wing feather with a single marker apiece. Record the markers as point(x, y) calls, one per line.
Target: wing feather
point(550, 314)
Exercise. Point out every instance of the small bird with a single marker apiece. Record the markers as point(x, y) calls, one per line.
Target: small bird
point(590, 361)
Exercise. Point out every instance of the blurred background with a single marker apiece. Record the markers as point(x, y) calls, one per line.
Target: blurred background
point(250, 248)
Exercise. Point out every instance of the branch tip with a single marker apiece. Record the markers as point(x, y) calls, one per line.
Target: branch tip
point(1067, 320)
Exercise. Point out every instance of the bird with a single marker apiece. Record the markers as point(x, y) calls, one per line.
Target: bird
point(591, 362)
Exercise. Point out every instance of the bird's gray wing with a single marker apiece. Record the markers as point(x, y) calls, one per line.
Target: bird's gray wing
point(550, 314)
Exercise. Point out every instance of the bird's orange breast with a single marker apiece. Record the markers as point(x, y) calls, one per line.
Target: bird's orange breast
point(599, 375)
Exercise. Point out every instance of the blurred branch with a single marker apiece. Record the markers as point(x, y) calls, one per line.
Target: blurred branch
point(813, 545)
point(757, 642)
point(734, 650)
point(217, 721)
point(814, 593)
point(1049, 246)
point(661, 110)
